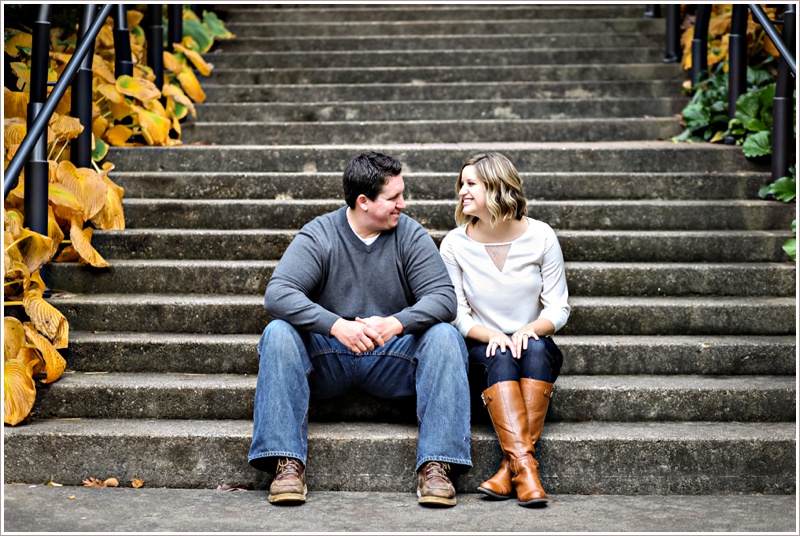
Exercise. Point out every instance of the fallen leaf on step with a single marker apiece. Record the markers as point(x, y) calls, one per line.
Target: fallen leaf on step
point(232, 487)
point(92, 482)
point(137, 482)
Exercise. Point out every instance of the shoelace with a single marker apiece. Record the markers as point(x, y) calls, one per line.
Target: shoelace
point(287, 467)
point(437, 469)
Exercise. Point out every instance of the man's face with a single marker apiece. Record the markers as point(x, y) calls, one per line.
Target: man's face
point(384, 212)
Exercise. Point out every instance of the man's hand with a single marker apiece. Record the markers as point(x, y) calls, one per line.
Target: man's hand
point(357, 336)
point(387, 326)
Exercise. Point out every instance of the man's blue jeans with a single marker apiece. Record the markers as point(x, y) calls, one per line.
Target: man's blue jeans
point(295, 365)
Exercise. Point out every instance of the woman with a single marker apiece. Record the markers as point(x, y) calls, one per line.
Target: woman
point(508, 272)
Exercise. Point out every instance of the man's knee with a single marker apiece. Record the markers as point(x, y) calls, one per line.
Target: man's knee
point(447, 343)
point(280, 339)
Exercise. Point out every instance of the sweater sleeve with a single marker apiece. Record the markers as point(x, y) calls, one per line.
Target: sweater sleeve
point(464, 321)
point(555, 295)
point(427, 279)
point(299, 273)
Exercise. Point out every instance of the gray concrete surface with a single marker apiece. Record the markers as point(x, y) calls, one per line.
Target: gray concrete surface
point(95, 510)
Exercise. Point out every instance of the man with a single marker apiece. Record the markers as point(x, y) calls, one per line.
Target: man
point(361, 298)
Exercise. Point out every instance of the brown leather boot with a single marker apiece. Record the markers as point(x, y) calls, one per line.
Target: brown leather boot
point(536, 394)
point(289, 484)
point(509, 417)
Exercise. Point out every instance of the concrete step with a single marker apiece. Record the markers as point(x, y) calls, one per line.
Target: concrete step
point(213, 276)
point(577, 246)
point(82, 510)
point(422, 12)
point(737, 214)
point(524, 53)
point(437, 74)
point(430, 186)
point(585, 355)
point(578, 39)
point(633, 157)
point(431, 131)
point(219, 313)
point(223, 92)
point(578, 398)
point(447, 110)
point(361, 27)
point(592, 457)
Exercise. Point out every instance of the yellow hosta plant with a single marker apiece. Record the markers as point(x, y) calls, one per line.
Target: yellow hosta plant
point(129, 110)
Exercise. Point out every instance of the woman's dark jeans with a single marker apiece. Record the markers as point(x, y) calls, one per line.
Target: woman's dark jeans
point(541, 361)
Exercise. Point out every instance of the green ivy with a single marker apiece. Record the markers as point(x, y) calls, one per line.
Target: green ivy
point(784, 189)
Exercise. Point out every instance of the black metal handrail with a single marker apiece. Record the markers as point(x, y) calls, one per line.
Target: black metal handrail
point(43, 115)
point(783, 104)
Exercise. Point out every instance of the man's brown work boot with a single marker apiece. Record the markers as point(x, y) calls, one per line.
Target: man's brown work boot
point(289, 485)
point(433, 486)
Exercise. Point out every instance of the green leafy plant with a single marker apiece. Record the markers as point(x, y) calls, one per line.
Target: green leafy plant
point(784, 189)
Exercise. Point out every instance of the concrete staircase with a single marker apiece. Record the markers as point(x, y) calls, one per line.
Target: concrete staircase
point(679, 371)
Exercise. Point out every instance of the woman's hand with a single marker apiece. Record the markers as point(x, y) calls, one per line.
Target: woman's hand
point(520, 339)
point(500, 340)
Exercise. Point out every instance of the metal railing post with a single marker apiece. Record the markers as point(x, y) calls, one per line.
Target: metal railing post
point(737, 61)
point(39, 127)
point(123, 64)
point(37, 170)
point(700, 42)
point(154, 34)
point(673, 44)
point(652, 11)
point(81, 146)
point(174, 25)
point(783, 104)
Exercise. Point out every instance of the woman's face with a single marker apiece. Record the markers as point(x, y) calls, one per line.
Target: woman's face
point(472, 193)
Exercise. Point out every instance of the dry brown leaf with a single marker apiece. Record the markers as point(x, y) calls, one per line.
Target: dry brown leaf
point(137, 482)
point(111, 482)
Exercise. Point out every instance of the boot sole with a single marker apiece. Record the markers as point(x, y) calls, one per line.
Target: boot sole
point(288, 497)
point(493, 495)
point(435, 501)
point(534, 501)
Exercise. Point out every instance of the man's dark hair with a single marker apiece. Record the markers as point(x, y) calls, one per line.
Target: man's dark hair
point(366, 174)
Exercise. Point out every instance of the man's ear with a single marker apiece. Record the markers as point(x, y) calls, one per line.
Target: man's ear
point(361, 201)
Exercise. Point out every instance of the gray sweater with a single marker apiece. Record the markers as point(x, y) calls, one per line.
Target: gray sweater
point(327, 272)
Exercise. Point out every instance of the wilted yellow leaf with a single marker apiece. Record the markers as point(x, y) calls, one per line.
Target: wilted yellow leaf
point(15, 103)
point(14, 130)
point(53, 229)
point(85, 184)
point(171, 63)
point(134, 18)
point(106, 36)
point(176, 93)
point(111, 217)
point(23, 73)
point(139, 88)
point(19, 391)
point(64, 202)
point(99, 127)
point(36, 249)
point(191, 86)
point(13, 337)
point(65, 127)
point(137, 483)
point(118, 135)
point(81, 241)
point(155, 129)
point(196, 59)
point(101, 69)
point(110, 92)
point(54, 361)
point(18, 38)
point(120, 110)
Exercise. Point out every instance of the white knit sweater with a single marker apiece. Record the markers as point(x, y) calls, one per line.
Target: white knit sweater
point(532, 284)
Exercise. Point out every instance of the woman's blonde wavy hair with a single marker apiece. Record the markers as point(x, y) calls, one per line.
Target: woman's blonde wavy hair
point(504, 196)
